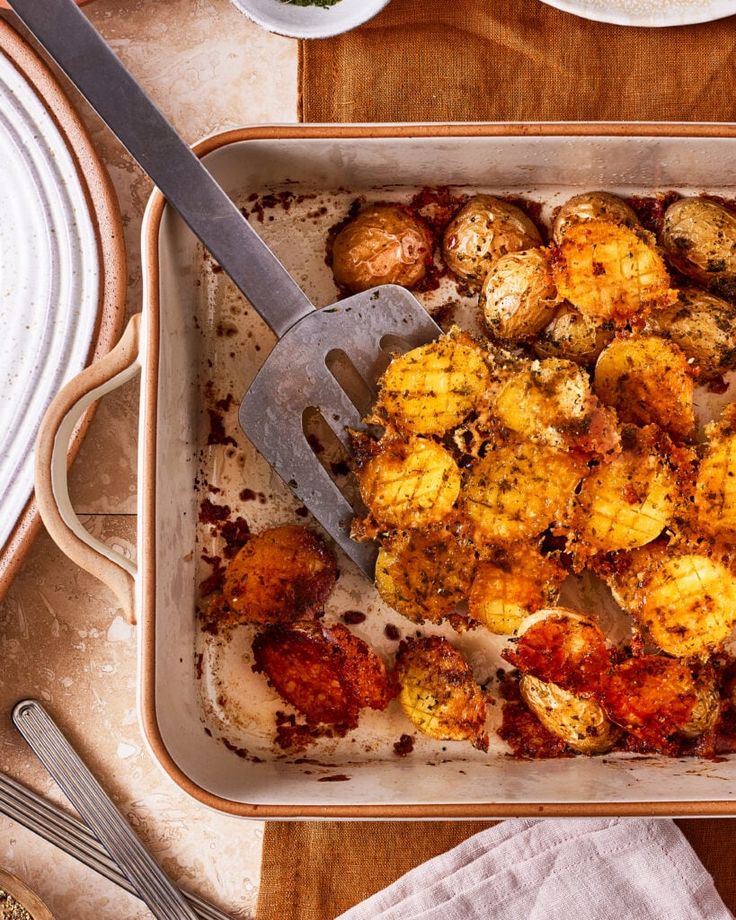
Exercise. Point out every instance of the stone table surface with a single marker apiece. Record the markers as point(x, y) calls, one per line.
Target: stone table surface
point(61, 638)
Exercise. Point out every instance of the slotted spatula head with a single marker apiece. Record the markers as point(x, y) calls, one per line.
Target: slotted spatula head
point(296, 378)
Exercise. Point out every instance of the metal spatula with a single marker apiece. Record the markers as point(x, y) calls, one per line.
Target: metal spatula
point(295, 378)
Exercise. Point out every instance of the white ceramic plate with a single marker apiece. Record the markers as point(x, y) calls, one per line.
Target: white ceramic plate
point(648, 12)
point(49, 279)
point(310, 21)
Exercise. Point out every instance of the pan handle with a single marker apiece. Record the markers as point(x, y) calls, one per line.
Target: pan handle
point(51, 482)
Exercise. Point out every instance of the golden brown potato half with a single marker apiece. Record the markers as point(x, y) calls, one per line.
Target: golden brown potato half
point(715, 489)
point(647, 379)
point(518, 297)
point(482, 230)
point(688, 605)
point(572, 335)
point(563, 647)
point(424, 575)
point(661, 700)
point(627, 501)
point(431, 389)
point(592, 206)
point(581, 722)
point(610, 272)
point(511, 585)
point(409, 484)
point(703, 326)
point(438, 692)
point(699, 237)
point(282, 574)
point(328, 674)
point(550, 402)
point(518, 490)
point(384, 244)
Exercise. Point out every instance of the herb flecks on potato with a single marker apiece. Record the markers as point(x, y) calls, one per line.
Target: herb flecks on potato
point(438, 692)
point(483, 230)
point(328, 674)
point(715, 489)
point(518, 298)
point(610, 272)
point(383, 244)
point(699, 237)
point(282, 574)
point(592, 206)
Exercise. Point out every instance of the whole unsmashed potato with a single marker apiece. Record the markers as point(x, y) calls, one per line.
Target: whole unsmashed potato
point(699, 237)
point(572, 335)
point(519, 297)
point(482, 230)
point(384, 244)
point(592, 206)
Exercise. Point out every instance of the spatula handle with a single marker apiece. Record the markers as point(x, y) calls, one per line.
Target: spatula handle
point(92, 803)
point(83, 55)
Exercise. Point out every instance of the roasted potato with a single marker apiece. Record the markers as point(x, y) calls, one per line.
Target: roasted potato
point(562, 647)
point(610, 272)
point(550, 402)
point(699, 237)
point(431, 389)
point(580, 721)
point(482, 230)
point(687, 604)
point(282, 574)
point(627, 501)
point(715, 489)
point(661, 700)
point(647, 379)
point(383, 244)
point(592, 206)
point(328, 674)
point(424, 574)
point(703, 326)
point(518, 490)
point(438, 692)
point(409, 484)
point(572, 335)
point(511, 585)
point(518, 297)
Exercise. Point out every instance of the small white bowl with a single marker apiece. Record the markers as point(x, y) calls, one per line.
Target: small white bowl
point(310, 21)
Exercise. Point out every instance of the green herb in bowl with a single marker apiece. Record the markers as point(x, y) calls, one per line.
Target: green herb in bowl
point(324, 3)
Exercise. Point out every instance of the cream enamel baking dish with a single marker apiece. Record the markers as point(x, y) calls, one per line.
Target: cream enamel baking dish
point(195, 336)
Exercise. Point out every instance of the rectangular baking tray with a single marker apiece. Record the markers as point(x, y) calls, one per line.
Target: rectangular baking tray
point(208, 719)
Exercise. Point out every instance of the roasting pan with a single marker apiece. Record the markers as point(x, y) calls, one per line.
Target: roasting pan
point(207, 719)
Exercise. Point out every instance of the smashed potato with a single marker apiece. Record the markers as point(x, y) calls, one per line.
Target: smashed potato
point(409, 484)
point(438, 692)
point(562, 647)
point(550, 402)
point(580, 721)
point(626, 502)
point(518, 490)
point(282, 574)
point(482, 230)
point(610, 272)
point(384, 244)
point(715, 489)
point(328, 674)
point(647, 379)
point(592, 206)
point(572, 335)
point(424, 574)
point(513, 584)
point(703, 326)
point(431, 389)
point(661, 700)
point(518, 297)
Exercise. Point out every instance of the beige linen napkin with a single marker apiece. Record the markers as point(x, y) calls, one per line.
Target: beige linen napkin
point(591, 869)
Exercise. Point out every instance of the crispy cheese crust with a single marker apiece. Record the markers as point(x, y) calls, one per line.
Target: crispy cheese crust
point(611, 272)
point(282, 574)
point(438, 692)
point(715, 489)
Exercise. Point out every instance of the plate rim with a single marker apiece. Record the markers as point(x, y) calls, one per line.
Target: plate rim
point(572, 7)
point(104, 212)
